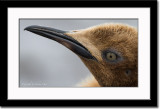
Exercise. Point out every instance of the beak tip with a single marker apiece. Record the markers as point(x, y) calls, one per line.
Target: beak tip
point(30, 27)
point(27, 28)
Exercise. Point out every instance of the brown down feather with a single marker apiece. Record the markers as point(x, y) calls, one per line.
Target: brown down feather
point(117, 37)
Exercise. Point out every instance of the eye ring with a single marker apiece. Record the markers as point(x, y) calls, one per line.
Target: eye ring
point(111, 56)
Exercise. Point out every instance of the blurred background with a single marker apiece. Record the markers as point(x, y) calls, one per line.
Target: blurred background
point(46, 63)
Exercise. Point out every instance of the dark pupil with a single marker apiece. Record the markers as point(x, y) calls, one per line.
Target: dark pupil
point(110, 56)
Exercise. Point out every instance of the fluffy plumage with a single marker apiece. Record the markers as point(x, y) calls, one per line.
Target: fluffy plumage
point(122, 39)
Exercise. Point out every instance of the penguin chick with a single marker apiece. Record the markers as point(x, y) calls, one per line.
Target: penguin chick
point(110, 52)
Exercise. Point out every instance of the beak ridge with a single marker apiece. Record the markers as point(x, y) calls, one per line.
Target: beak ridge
point(62, 38)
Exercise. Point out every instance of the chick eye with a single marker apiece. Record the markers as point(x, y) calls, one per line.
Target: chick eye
point(111, 56)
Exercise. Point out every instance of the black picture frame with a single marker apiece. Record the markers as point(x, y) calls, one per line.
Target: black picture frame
point(152, 4)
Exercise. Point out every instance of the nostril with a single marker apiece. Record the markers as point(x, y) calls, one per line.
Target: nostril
point(128, 72)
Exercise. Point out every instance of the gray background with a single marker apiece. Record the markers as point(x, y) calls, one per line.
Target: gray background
point(46, 63)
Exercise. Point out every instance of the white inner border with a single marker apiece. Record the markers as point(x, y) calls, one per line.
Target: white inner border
point(141, 92)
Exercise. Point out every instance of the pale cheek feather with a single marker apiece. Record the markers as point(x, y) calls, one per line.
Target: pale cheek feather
point(88, 82)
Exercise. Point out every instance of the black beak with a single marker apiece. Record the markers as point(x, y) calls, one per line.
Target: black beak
point(62, 38)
